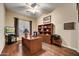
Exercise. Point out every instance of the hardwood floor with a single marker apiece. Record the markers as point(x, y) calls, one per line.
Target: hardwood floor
point(47, 50)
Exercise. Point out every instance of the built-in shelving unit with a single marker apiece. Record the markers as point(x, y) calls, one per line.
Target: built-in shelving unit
point(46, 31)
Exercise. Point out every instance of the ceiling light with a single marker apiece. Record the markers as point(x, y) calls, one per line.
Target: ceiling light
point(34, 7)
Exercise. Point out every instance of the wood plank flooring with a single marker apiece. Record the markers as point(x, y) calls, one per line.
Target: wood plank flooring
point(47, 50)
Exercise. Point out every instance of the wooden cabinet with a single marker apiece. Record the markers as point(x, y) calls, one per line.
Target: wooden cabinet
point(47, 38)
point(46, 31)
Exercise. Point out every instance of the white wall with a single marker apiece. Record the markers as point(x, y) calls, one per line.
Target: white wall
point(63, 14)
point(78, 29)
point(2, 20)
point(10, 19)
point(78, 37)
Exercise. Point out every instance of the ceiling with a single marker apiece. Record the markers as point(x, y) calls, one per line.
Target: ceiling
point(23, 8)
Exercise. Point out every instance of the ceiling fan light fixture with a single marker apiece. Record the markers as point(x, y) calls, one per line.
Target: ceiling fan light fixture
point(33, 7)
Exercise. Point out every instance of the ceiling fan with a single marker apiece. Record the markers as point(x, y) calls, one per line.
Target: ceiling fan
point(32, 7)
point(27, 6)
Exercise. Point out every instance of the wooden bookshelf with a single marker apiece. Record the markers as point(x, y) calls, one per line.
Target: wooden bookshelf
point(46, 31)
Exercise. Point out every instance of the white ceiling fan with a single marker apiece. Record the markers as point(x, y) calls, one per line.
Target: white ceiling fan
point(28, 7)
point(32, 7)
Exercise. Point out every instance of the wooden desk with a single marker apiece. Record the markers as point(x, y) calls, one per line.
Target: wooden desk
point(33, 44)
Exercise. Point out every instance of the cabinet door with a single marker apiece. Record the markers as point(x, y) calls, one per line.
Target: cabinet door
point(47, 38)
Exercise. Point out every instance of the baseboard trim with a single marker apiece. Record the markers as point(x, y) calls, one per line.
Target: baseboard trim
point(71, 48)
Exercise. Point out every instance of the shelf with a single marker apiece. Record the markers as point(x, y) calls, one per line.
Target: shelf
point(46, 32)
point(46, 28)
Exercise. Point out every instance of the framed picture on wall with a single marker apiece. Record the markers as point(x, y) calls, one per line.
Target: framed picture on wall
point(47, 20)
point(69, 26)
